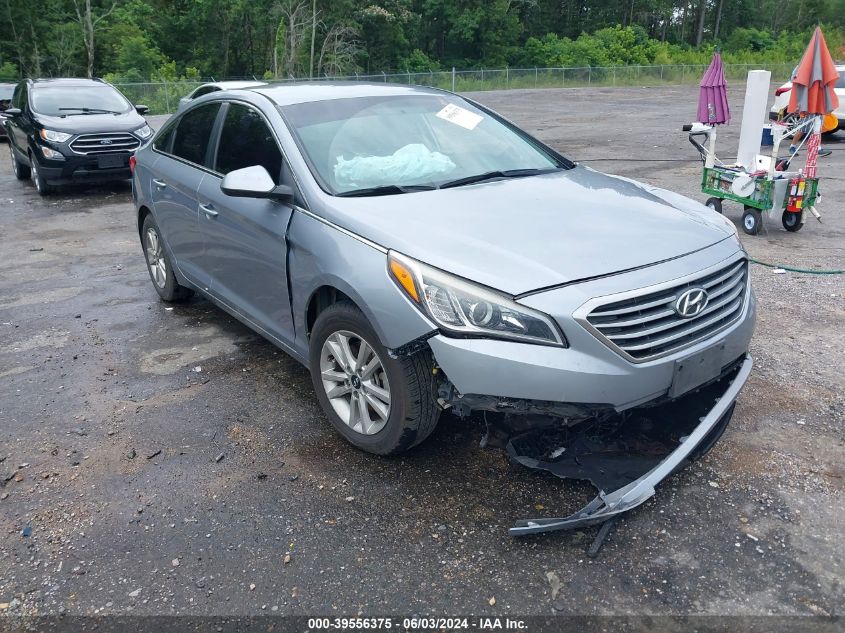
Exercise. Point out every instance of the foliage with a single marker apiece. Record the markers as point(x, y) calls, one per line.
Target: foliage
point(182, 40)
point(8, 71)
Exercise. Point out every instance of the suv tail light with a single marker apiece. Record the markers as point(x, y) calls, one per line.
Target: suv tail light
point(782, 90)
point(132, 163)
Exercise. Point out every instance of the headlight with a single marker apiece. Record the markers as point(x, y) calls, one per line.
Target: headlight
point(462, 308)
point(56, 137)
point(144, 132)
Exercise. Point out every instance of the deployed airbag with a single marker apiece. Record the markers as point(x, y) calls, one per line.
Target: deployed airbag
point(410, 164)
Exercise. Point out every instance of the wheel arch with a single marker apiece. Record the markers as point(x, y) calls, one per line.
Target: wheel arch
point(143, 212)
point(323, 297)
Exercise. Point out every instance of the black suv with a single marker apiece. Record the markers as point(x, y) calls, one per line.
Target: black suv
point(72, 130)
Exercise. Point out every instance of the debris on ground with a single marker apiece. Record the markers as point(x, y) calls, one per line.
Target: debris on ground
point(554, 583)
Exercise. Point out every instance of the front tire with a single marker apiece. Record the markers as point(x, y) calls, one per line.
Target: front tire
point(41, 184)
point(380, 404)
point(752, 221)
point(158, 264)
point(22, 171)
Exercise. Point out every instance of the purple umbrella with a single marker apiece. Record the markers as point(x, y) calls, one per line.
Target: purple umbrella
point(713, 98)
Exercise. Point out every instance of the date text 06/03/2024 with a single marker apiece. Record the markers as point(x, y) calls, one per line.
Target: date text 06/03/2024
point(418, 623)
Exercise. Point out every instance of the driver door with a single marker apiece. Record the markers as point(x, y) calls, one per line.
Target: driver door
point(245, 246)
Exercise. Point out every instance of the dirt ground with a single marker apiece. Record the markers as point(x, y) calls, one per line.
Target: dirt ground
point(166, 460)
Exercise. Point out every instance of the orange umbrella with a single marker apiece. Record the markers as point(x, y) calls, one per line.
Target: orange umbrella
point(816, 75)
point(812, 93)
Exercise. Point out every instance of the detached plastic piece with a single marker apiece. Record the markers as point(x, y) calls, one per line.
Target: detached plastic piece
point(609, 505)
point(411, 164)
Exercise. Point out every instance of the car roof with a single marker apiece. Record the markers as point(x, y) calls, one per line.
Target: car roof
point(67, 82)
point(291, 94)
point(235, 85)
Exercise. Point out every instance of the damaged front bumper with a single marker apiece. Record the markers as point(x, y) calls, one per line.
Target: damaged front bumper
point(608, 505)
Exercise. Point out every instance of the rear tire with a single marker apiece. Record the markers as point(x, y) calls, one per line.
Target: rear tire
point(715, 204)
point(159, 265)
point(348, 361)
point(22, 171)
point(752, 221)
point(792, 222)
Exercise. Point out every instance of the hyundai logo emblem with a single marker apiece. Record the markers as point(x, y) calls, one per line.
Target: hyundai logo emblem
point(691, 303)
point(105, 141)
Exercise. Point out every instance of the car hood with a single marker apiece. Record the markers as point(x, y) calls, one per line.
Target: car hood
point(524, 234)
point(92, 123)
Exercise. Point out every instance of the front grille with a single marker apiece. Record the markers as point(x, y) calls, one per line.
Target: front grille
point(647, 326)
point(104, 143)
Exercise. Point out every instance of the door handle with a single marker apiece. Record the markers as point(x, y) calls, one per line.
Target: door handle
point(208, 210)
point(159, 183)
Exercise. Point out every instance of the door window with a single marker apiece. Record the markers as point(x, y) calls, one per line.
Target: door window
point(193, 133)
point(162, 142)
point(246, 140)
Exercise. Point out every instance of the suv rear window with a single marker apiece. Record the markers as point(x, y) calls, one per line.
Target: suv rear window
point(193, 133)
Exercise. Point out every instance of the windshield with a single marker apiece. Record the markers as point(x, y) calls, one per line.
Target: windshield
point(413, 142)
point(72, 100)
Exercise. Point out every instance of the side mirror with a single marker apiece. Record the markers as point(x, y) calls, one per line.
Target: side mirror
point(12, 112)
point(254, 182)
point(141, 109)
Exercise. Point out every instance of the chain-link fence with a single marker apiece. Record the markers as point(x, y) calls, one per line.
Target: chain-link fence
point(163, 97)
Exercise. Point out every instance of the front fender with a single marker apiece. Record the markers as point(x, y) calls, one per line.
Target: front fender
point(322, 254)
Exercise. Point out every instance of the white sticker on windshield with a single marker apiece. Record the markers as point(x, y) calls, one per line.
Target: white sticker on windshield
point(460, 116)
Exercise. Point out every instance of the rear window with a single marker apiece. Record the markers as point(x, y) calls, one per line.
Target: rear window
point(193, 133)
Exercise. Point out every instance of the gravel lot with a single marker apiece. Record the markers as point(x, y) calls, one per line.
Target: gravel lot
point(152, 486)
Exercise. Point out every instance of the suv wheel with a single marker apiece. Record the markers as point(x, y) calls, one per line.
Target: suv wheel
point(40, 183)
point(158, 264)
point(21, 170)
point(380, 404)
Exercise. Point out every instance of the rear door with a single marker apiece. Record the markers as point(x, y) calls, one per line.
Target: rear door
point(175, 182)
point(245, 238)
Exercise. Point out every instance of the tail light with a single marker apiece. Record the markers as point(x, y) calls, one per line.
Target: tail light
point(782, 90)
point(132, 163)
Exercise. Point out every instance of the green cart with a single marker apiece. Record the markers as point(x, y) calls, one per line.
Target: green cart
point(766, 190)
point(766, 195)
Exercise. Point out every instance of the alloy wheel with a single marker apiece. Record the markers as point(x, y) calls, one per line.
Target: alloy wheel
point(35, 177)
point(155, 258)
point(14, 160)
point(355, 382)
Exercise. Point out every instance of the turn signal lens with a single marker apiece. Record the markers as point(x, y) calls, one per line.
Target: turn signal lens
point(403, 276)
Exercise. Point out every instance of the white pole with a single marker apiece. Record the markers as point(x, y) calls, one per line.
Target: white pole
point(753, 117)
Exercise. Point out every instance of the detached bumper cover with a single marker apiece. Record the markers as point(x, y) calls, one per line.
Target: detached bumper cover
point(608, 505)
